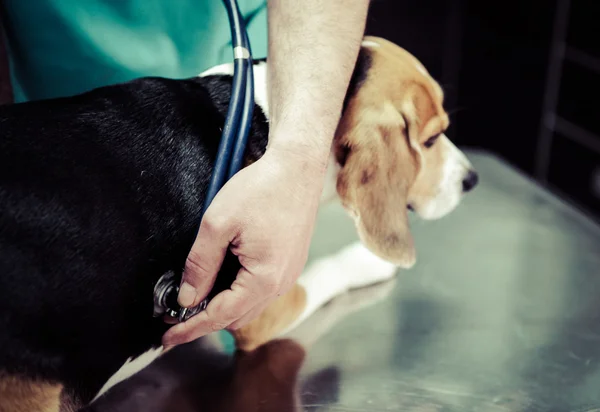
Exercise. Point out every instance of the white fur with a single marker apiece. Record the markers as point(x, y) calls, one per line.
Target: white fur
point(226, 68)
point(130, 368)
point(319, 323)
point(353, 267)
point(370, 43)
point(421, 69)
point(135, 365)
point(450, 190)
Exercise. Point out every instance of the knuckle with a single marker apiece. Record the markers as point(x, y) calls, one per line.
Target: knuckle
point(196, 269)
point(194, 261)
point(213, 225)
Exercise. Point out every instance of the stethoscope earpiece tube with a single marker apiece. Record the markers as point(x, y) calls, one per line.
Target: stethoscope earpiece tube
point(233, 129)
point(230, 154)
point(246, 116)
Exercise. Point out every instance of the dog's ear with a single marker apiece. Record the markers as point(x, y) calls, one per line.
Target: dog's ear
point(378, 167)
point(391, 112)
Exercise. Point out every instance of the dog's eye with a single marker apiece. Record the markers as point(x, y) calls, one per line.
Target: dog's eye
point(431, 141)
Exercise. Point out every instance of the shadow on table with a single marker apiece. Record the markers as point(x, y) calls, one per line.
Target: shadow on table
point(193, 379)
point(200, 377)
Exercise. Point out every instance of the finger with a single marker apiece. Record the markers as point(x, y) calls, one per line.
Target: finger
point(203, 261)
point(226, 308)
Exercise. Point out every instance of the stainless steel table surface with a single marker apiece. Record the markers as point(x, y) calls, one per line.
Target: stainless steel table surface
point(500, 313)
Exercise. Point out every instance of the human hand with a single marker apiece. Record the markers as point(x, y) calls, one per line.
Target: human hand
point(265, 214)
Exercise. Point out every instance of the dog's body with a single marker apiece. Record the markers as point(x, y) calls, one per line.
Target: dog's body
point(102, 193)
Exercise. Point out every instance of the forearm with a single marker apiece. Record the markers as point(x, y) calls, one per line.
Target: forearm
point(313, 46)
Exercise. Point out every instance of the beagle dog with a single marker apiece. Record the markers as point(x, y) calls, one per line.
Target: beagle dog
point(101, 195)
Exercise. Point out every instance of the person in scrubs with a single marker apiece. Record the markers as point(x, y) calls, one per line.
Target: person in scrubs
point(266, 212)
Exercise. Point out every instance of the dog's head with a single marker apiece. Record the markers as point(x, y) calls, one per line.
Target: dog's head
point(392, 152)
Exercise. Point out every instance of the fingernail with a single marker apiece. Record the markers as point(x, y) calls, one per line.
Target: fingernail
point(187, 295)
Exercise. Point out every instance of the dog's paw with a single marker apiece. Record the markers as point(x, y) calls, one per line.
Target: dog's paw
point(351, 268)
point(362, 297)
point(363, 267)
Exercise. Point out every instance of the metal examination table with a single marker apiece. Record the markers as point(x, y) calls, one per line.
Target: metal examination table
point(501, 313)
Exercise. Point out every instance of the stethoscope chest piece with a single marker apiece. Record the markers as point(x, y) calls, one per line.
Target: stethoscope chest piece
point(165, 300)
point(165, 291)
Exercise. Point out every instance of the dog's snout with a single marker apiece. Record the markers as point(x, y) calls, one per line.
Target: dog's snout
point(470, 181)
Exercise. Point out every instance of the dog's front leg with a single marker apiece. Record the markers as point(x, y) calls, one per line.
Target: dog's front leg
point(353, 267)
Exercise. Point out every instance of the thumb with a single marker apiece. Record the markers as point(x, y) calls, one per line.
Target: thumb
point(204, 261)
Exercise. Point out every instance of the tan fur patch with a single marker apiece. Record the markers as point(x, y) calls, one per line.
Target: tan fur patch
point(23, 395)
point(275, 318)
point(425, 186)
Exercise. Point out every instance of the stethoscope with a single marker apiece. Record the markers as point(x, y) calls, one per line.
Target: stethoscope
point(230, 154)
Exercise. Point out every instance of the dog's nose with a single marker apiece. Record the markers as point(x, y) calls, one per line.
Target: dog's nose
point(470, 181)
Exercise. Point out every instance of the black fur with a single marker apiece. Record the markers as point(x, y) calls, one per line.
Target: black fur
point(359, 74)
point(101, 195)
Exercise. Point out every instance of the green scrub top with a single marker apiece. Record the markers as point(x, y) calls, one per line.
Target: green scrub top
point(64, 47)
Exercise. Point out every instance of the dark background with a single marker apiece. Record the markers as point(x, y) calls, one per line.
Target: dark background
point(522, 79)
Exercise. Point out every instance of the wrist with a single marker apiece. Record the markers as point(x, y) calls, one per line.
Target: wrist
point(304, 175)
point(304, 143)
point(308, 156)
